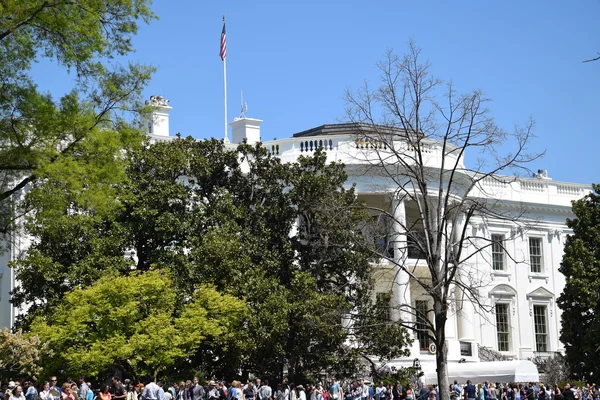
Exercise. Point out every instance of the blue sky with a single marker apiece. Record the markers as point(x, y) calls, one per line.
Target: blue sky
point(294, 60)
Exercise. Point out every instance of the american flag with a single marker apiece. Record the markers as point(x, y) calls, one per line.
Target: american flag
point(223, 52)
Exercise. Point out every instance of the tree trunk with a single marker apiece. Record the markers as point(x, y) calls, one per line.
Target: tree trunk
point(441, 358)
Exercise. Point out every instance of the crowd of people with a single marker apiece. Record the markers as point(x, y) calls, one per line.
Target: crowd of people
point(521, 391)
point(261, 390)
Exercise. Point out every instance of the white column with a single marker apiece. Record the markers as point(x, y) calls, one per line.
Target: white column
point(466, 312)
point(401, 277)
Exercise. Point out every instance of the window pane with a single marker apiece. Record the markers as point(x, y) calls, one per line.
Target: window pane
point(497, 252)
point(541, 328)
point(535, 254)
point(422, 329)
point(502, 327)
point(383, 304)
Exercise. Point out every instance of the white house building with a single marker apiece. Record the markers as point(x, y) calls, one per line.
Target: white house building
point(521, 277)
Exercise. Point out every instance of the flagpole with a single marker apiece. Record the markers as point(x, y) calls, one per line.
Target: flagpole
point(225, 139)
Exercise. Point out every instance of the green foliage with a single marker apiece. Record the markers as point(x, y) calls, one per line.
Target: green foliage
point(133, 322)
point(209, 216)
point(78, 137)
point(580, 299)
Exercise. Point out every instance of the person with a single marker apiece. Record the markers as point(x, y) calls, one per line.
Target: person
point(131, 392)
point(213, 391)
point(117, 389)
point(365, 390)
point(74, 390)
point(161, 391)
point(334, 389)
point(486, 390)
point(301, 394)
point(493, 392)
point(456, 388)
point(197, 391)
point(82, 393)
point(139, 388)
point(433, 393)
point(397, 391)
point(181, 391)
point(410, 395)
point(424, 393)
point(168, 395)
point(567, 393)
point(104, 393)
point(453, 394)
point(470, 391)
point(54, 386)
point(150, 391)
point(319, 392)
point(44, 391)
point(238, 390)
point(265, 392)
point(16, 392)
point(380, 391)
point(31, 393)
point(66, 392)
point(249, 392)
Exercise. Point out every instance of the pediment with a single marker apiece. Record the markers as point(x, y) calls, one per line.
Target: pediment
point(503, 290)
point(541, 292)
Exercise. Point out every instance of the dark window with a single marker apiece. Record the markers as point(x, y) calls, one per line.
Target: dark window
point(384, 300)
point(466, 349)
point(422, 311)
point(541, 328)
point(502, 327)
point(497, 252)
point(535, 254)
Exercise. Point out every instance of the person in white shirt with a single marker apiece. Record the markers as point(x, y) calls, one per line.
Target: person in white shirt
point(301, 393)
point(380, 391)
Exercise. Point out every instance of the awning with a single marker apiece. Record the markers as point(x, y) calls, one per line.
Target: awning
point(479, 372)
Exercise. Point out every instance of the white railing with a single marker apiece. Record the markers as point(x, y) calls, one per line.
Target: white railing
point(569, 190)
point(495, 182)
point(531, 186)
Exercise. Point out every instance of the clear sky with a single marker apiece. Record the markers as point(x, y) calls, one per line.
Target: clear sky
point(293, 61)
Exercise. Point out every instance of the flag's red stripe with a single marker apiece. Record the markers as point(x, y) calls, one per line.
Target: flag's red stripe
point(223, 51)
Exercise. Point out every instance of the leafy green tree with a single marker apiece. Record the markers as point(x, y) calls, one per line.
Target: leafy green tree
point(133, 322)
point(279, 236)
point(43, 137)
point(580, 299)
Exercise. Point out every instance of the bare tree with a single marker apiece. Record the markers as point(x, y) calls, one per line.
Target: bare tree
point(593, 59)
point(414, 132)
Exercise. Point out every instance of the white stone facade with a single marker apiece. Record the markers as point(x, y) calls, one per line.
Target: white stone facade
point(521, 284)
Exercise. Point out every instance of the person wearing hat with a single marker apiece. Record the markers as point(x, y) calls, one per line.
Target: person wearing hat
point(301, 392)
point(213, 391)
point(8, 392)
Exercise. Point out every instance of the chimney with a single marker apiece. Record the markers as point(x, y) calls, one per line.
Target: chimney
point(157, 124)
point(245, 128)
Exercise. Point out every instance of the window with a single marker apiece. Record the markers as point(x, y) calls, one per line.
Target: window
point(150, 128)
point(377, 231)
point(422, 310)
point(541, 328)
point(466, 349)
point(502, 327)
point(383, 301)
point(535, 255)
point(497, 252)
point(413, 239)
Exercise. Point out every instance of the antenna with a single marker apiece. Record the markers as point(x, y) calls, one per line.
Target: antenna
point(244, 106)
